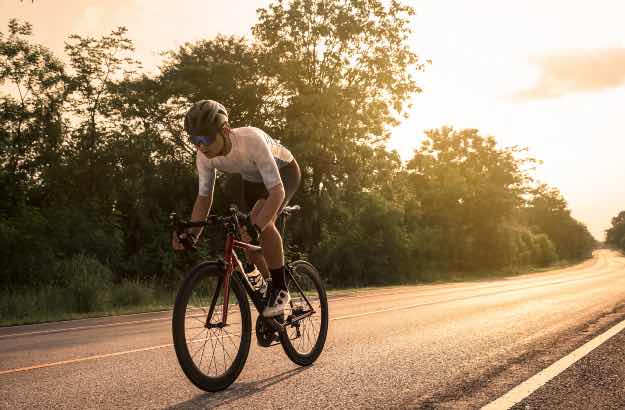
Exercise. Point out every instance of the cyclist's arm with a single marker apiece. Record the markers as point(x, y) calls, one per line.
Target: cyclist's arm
point(201, 208)
point(204, 199)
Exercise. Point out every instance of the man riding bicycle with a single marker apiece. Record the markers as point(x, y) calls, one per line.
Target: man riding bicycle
point(270, 178)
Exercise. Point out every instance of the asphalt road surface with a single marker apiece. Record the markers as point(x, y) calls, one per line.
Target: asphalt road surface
point(459, 345)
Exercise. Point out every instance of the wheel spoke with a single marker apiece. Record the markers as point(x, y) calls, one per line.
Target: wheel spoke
point(203, 348)
point(197, 334)
point(231, 340)
point(307, 297)
point(210, 351)
point(213, 355)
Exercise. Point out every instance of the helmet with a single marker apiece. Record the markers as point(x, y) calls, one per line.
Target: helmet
point(205, 117)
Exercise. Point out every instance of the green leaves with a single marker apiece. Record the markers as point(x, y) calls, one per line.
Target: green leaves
point(547, 211)
point(615, 236)
point(343, 67)
point(93, 155)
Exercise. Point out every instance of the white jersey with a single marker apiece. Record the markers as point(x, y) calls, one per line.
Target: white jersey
point(254, 155)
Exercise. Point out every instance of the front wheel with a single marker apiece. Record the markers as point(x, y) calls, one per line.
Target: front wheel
point(211, 353)
point(306, 322)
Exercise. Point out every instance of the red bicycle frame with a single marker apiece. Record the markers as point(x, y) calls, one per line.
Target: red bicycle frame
point(232, 261)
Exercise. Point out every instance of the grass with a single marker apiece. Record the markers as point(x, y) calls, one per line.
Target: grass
point(51, 304)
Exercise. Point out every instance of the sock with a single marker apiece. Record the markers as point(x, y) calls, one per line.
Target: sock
point(277, 278)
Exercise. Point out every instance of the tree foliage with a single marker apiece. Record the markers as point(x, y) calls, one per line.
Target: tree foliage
point(343, 70)
point(93, 156)
point(615, 236)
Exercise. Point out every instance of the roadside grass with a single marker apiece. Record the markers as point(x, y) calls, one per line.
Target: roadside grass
point(49, 304)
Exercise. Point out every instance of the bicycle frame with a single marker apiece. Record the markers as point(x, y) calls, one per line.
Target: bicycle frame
point(233, 264)
point(232, 261)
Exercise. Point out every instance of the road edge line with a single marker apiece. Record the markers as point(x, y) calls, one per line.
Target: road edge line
point(526, 388)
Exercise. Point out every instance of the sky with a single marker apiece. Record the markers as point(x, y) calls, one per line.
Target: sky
point(546, 75)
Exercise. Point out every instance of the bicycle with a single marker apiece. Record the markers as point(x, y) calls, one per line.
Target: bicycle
point(212, 307)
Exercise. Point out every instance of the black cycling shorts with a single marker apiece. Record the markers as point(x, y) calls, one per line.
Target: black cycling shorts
point(251, 192)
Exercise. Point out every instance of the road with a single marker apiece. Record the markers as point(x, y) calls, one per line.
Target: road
point(457, 345)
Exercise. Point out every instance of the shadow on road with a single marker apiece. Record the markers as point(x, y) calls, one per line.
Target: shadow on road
point(235, 392)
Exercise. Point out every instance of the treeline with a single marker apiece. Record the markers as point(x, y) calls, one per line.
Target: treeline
point(615, 236)
point(93, 155)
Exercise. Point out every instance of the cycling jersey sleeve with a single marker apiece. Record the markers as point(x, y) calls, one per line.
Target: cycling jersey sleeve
point(264, 160)
point(206, 178)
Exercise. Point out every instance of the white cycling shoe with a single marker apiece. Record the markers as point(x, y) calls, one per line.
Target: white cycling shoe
point(278, 301)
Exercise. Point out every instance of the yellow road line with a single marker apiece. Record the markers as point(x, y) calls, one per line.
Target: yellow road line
point(82, 359)
point(357, 295)
point(331, 319)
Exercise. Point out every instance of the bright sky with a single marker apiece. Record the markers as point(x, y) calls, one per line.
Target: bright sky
point(547, 75)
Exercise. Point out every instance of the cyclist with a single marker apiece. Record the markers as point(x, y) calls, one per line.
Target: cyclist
point(270, 178)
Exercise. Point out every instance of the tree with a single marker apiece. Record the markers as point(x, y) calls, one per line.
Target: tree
point(96, 64)
point(30, 137)
point(548, 212)
point(343, 72)
point(615, 236)
point(467, 187)
point(225, 69)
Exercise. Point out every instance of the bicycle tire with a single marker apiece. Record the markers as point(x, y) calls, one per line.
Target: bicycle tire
point(308, 278)
point(193, 371)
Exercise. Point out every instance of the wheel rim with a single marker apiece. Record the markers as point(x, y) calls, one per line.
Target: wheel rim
point(213, 350)
point(305, 340)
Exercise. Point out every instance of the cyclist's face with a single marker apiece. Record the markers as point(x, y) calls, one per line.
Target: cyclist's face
point(212, 150)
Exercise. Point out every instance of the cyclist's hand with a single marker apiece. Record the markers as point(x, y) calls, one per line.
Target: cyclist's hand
point(178, 245)
point(175, 242)
point(249, 232)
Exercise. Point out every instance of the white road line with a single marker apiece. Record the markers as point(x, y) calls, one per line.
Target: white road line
point(47, 332)
point(357, 295)
point(526, 388)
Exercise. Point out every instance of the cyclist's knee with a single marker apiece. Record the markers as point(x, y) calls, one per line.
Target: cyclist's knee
point(257, 207)
point(270, 228)
point(271, 234)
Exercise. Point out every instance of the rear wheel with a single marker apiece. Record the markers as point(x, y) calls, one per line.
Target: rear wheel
point(210, 354)
point(306, 319)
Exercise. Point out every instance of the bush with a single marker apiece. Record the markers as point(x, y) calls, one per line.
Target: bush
point(26, 250)
point(87, 281)
point(375, 250)
point(545, 251)
point(131, 293)
point(34, 305)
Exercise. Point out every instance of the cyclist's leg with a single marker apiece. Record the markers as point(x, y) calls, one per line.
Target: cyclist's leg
point(273, 247)
point(252, 200)
point(271, 240)
point(250, 194)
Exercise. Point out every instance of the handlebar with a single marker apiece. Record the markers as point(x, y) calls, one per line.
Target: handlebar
point(180, 226)
point(232, 221)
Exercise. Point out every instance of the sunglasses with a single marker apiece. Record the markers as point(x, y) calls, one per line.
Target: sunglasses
point(203, 139)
